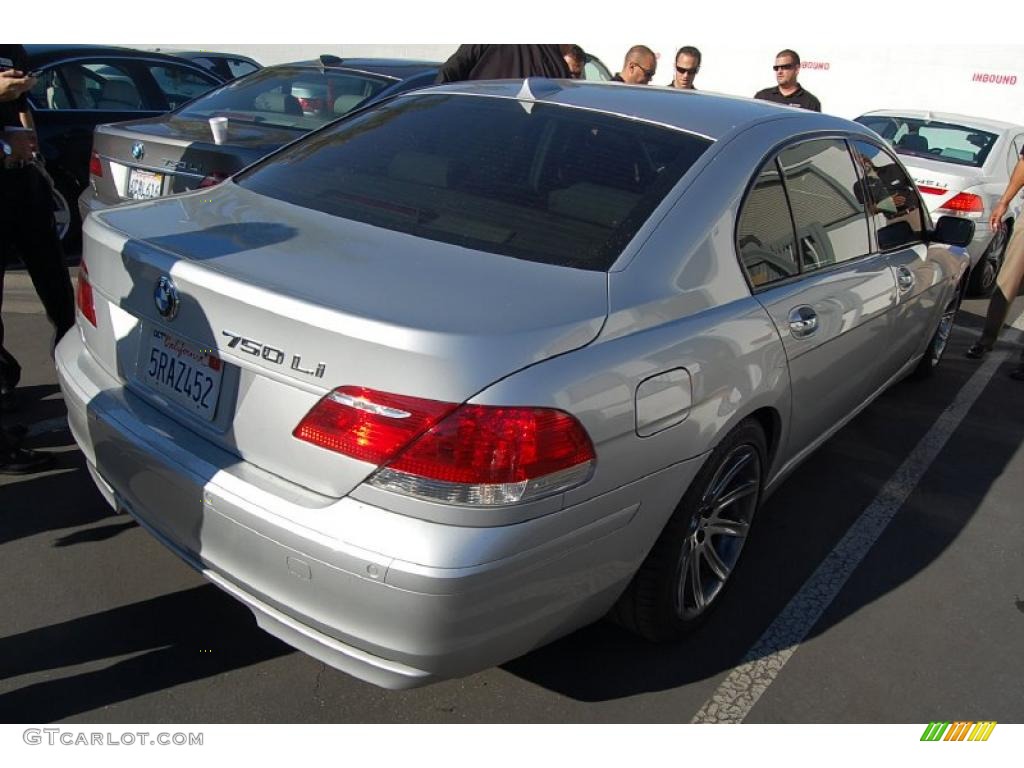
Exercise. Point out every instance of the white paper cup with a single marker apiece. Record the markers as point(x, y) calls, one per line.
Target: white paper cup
point(219, 128)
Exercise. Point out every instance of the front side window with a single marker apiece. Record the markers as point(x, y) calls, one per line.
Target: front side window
point(822, 185)
point(180, 84)
point(890, 197)
point(533, 181)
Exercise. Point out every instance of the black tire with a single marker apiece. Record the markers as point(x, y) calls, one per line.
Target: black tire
point(939, 341)
point(661, 603)
point(982, 281)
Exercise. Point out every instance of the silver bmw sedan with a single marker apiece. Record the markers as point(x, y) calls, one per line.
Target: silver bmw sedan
point(484, 363)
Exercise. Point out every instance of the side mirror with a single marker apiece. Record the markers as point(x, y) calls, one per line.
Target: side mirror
point(894, 235)
point(953, 230)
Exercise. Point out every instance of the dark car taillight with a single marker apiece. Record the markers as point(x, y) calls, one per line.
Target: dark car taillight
point(95, 165)
point(83, 295)
point(479, 455)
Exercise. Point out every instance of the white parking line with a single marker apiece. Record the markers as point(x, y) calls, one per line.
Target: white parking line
point(742, 688)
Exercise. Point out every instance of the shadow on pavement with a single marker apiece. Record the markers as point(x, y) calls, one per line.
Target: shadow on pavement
point(183, 636)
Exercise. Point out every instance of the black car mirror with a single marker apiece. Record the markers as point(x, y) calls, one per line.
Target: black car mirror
point(952, 230)
point(894, 235)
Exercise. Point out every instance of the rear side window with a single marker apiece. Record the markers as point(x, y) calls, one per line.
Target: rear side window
point(532, 181)
point(765, 232)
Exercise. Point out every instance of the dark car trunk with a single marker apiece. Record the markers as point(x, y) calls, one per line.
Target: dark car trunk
point(168, 154)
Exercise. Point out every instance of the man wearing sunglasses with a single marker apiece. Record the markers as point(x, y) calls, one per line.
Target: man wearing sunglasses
point(687, 67)
point(789, 91)
point(639, 66)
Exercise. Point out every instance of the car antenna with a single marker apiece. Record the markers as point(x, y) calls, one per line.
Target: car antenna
point(327, 60)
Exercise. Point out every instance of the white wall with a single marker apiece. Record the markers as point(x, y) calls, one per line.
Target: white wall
point(849, 79)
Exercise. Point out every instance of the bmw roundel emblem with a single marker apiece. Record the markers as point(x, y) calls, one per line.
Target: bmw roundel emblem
point(138, 150)
point(166, 297)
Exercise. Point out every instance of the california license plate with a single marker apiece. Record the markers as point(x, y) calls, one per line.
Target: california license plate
point(183, 372)
point(143, 185)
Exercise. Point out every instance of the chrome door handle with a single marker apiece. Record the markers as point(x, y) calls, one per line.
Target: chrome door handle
point(803, 321)
point(904, 279)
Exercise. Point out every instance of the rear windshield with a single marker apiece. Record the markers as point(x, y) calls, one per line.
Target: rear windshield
point(948, 142)
point(533, 181)
point(288, 97)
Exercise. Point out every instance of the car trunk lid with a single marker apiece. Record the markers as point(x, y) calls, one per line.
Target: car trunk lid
point(149, 158)
point(294, 310)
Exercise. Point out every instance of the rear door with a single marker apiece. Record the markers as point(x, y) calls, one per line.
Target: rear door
point(804, 241)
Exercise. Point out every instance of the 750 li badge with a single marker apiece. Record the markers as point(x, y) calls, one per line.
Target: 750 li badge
point(271, 354)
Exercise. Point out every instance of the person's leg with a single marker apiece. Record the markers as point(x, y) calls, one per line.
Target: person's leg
point(1007, 287)
point(41, 251)
point(10, 370)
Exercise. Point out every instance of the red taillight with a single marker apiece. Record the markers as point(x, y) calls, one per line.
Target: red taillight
point(213, 179)
point(311, 105)
point(95, 165)
point(471, 454)
point(932, 190)
point(368, 425)
point(965, 202)
point(83, 295)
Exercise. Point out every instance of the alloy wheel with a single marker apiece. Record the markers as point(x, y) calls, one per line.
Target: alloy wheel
point(718, 530)
point(61, 214)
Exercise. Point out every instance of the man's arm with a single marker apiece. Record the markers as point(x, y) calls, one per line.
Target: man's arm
point(459, 64)
point(1016, 183)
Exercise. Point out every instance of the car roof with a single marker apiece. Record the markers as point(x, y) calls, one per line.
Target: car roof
point(40, 55)
point(712, 115)
point(970, 121)
point(399, 68)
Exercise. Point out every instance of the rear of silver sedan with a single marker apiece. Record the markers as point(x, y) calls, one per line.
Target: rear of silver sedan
point(368, 422)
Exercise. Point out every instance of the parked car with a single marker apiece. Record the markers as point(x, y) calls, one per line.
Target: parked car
point(227, 66)
point(81, 86)
point(594, 69)
point(961, 165)
point(471, 368)
point(172, 153)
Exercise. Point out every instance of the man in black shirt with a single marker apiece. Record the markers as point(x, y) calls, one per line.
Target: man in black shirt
point(789, 91)
point(26, 222)
point(503, 62)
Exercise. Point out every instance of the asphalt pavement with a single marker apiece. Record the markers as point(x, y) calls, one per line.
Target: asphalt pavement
point(884, 583)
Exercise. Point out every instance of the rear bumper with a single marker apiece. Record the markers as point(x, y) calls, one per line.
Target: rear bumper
point(303, 568)
point(88, 202)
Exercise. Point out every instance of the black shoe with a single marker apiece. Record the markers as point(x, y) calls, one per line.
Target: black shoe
point(21, 461)
point(1017, 374)
point(15, 434)
point(977, 351)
